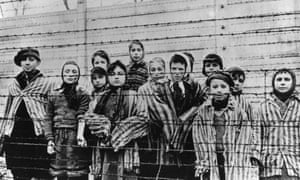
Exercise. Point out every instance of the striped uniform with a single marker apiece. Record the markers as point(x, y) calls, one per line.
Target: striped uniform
point(280, 136)
point(161, 115)
point(236, 141)
point(243, 103)
point(35, 96)
point(192, 101)
point(129, 125)
point(134, 126)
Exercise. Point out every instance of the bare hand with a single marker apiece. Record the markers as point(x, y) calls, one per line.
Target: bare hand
point(51, 147)
point(81, 141)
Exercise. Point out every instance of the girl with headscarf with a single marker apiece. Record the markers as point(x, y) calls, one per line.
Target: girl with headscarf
point(280, 120)
point(137, 68)
point(222, 135)
point(118, 125)
point(66, 106)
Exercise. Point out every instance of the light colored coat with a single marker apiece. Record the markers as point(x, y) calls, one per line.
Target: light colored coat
point(237, 140)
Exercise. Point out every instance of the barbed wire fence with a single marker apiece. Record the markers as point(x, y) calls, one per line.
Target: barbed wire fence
point(261, 36)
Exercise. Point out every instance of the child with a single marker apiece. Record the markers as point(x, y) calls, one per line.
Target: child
point(66, 106)
point(156, 160)
point(212, 63)
point(222, 134)
point(137, 68)
point(100, 59)
point(118, 106)
point(279, 115)
point(99, 82)
point(187, 96)
point(238, 76)
point(22, 125)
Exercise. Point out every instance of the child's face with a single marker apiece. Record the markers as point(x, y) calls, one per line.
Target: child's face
point(177, 71)
point(29, 63)
point(117, 77)
point(283, 82)
point(157, 71)
point(98, 81)
point(238, 80)
point(219, 89)
point(100, 62)
point(70, 74)
point(211, 67)
point(136, 52)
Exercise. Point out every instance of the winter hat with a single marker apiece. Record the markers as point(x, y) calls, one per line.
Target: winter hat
point(98, 70)
point(236, 70)
point(212, 58)
point(222, 76)
point(23, 53)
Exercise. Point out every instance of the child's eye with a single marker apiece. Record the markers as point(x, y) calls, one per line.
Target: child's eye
point(223, 86)
point(67, 70)
point(287, 79)
point(152, 69)
point(279, 79)
point(215, 86)
point(214, 65)
point(74, 71)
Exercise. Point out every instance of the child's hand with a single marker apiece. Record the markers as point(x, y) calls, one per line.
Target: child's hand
point(81, 141)
point(200, 171)
point(50, 147)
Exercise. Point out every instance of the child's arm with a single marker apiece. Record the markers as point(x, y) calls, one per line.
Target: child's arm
point(48, 126)
point(134, 126)
point(83, 108)
point(201, 145)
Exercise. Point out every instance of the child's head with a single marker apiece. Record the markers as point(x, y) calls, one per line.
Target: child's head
point(220, 85)
point(28, 59)
point(238, 76)
point(283, 82)
point(157, 68)
point(136, 51)
point(100, 59)
point(178, 67)
point(70, 72)
point(117, 74)
point(212, 63)
point(98, 77)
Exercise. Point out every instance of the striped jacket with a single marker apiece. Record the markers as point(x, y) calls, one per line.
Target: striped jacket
point(194, 97)
point(161, 117)
point(134, 125)
point(236, 140)
point(35, 96)
point(243, 103)
point(280, 136)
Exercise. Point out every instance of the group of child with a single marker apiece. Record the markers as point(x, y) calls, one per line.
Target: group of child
point(141, 123)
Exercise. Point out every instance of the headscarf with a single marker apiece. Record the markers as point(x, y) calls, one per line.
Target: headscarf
point(69, 90)
point(284, 96)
